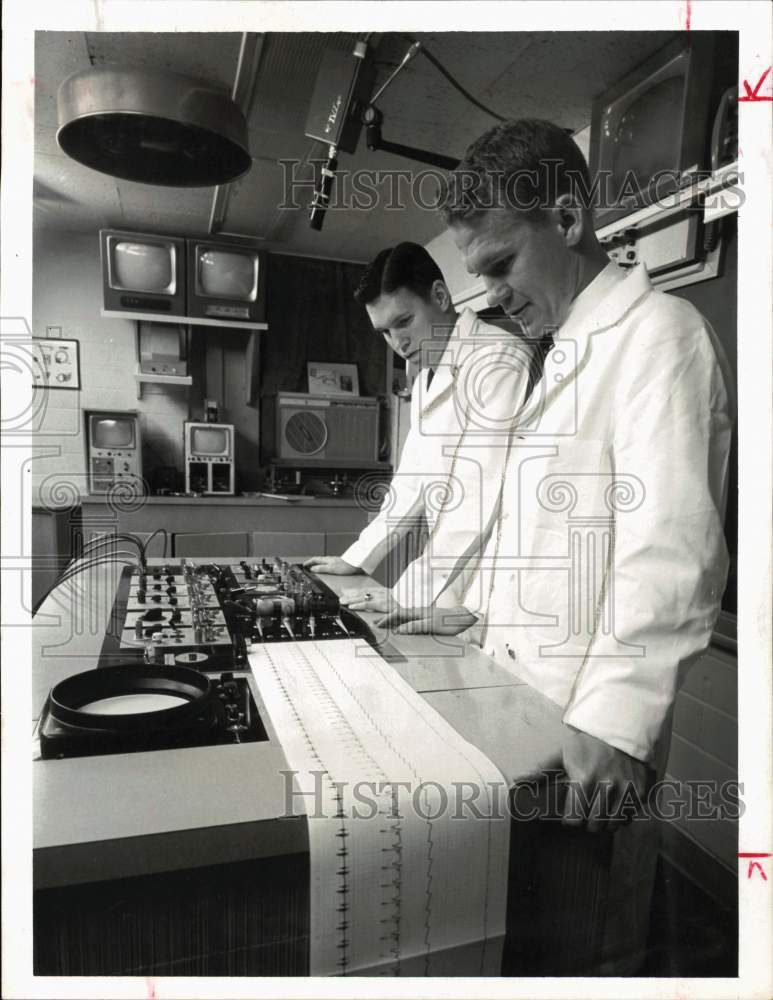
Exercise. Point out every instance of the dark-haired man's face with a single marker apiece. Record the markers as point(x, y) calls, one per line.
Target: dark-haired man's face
point(526, 265)
point(405, 320)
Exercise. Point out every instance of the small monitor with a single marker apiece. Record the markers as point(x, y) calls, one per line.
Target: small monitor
point(228, 275)
point(209, 458)
point(142, 274)
point(113, 451)
point(112, 432)
point(650, 131)
point(226, 281)
point(206, 441)
point(142, 267)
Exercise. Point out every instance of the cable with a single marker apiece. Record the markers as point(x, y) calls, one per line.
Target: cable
point(454, 83)
point(89, 566)
point(158, 531)
point(108, 540)
point(103, 540)
point(76, 567)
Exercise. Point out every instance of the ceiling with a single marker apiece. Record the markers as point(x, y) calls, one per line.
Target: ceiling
point(552, 75)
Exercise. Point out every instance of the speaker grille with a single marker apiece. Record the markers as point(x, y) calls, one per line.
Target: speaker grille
point(319, 429)
point(306, 433)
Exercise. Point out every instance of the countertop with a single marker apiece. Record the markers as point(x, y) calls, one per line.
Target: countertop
point(264, 500)
point(129, 814)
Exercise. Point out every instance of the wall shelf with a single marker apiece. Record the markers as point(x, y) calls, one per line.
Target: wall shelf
point(192, 320)
point(148, 378)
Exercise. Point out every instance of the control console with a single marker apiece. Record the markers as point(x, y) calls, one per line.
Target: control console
point(208, 616)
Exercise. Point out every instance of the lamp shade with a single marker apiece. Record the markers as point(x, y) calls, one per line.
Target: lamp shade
point(152, 127)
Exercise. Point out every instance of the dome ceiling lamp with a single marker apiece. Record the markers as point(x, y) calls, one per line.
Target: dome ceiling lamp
point(152, 127)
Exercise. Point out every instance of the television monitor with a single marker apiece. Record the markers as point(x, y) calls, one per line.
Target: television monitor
point(210, 441)
point(142, 273)
point(114, 451)
point(650, 132)
point(226, 281)
point(209, 458)
point(112, 431)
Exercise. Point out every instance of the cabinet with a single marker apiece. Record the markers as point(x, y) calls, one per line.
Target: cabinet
point(211, 543)
point(233, 527)
point(289, 544)
point(238, 527)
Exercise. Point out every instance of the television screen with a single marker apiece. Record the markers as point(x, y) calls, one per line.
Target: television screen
point(142, 267)
point(209, 441)
point(226, 274)
point(650, 130)
point(107, 432)
point(642, 131)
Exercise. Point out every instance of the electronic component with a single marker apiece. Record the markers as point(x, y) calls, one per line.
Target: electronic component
point(313, 431)
point(649, 131)
point(131, 707)
point(208, 616)
point(163, 348)
point(209, 458)
point(114, 452)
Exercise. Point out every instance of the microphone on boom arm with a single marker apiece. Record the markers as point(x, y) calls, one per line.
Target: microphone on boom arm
point(341, 92)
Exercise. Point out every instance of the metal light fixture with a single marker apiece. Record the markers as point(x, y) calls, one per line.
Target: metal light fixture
point(153, 127)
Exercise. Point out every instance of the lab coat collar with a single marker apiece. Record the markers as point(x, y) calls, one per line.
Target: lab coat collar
point(599, 307)
point(445, 370)
point(466, 325)
point(605, 301)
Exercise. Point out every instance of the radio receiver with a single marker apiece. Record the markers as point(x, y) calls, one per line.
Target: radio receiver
point(312, 430)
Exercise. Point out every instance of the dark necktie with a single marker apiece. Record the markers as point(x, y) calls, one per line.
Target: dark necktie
point(541, 350)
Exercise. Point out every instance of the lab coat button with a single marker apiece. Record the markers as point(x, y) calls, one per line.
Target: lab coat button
point(511, 652)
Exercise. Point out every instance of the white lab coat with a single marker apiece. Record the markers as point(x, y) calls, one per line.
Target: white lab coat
point(451, 467)
point(607, 565)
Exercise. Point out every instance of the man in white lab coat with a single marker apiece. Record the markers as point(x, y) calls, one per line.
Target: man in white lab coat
point(606, 564)
point(472, 379)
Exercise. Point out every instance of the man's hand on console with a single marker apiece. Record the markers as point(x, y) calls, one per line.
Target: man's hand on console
point(374, 598)
point(418, 621)
point(333, 565)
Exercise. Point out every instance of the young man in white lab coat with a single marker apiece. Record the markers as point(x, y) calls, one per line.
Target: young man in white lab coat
point(605, 569)
point(472, 379)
